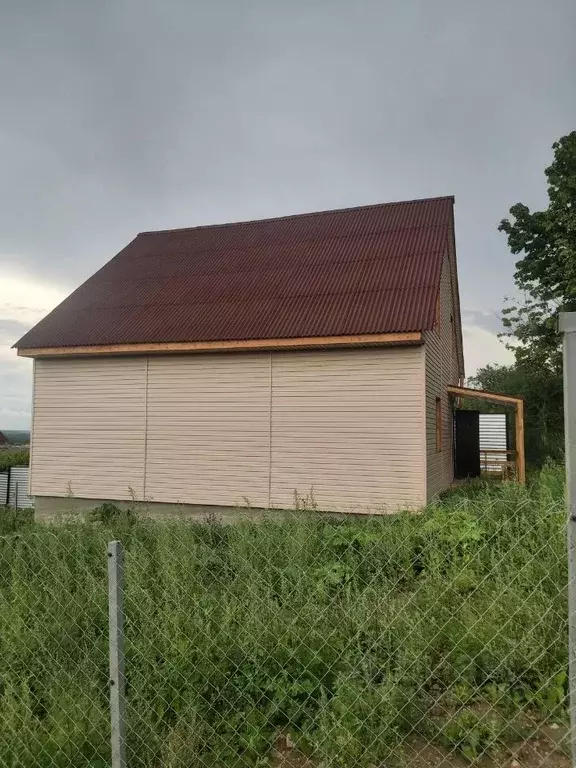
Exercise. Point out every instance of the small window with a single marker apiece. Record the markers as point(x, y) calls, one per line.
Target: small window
point(438, 424)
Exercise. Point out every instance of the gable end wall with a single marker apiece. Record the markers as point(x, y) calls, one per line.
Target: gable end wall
point(442, 370)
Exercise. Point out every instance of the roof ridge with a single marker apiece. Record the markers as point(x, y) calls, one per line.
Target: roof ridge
point(309, 214)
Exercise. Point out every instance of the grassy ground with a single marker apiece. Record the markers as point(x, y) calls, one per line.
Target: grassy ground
point(349, 639)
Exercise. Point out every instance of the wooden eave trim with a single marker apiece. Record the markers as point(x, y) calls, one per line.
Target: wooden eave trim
point(311, 342)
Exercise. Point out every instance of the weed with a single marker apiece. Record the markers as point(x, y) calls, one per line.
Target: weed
point(108, 513)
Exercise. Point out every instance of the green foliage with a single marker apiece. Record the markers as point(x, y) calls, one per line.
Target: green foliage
point(546, 277)
point(474, 732)
point(348, 635)
point(546, 274)
point(109, 513)
point(14, 458)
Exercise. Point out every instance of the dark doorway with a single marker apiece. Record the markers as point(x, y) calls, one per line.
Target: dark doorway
point(466, 444)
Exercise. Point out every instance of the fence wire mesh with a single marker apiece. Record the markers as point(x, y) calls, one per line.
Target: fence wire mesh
point(437, 638)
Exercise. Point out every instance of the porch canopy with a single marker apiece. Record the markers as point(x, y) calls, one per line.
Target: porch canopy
point(518, 403)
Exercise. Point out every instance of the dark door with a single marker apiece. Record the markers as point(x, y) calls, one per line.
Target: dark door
point(466, 444)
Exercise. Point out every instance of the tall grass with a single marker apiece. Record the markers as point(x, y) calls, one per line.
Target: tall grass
point(352, 637)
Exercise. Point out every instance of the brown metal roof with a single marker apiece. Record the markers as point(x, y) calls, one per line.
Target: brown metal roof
point(374, 269)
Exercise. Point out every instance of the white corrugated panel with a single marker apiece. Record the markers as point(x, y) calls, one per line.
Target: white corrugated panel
point(3, 487)
point(493, 436)
point(19, 488)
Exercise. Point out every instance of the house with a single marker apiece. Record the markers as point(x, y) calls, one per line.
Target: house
point(305, 357)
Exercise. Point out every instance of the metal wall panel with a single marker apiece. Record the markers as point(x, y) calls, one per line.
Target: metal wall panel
point(493, 435)
point(19, 488)
point(3, 487)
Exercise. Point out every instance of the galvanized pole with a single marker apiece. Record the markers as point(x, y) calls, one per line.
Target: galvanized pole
point(116, 649)
point(568, 327)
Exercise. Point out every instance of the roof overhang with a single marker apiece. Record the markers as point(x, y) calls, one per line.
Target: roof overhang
point(243, 345)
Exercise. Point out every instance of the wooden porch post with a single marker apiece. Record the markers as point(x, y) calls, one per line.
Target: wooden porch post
point(520, 458)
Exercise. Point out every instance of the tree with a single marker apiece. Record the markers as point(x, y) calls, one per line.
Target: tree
point(546, 274)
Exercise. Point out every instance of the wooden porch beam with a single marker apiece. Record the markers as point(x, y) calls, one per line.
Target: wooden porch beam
point(518, 404)
point(481, 394)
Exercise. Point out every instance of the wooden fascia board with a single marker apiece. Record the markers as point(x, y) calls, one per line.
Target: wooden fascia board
point(384, 339)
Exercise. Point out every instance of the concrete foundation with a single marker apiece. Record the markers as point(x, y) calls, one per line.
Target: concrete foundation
point(50, 509)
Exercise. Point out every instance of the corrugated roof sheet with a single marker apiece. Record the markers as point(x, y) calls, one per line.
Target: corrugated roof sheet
point(374, 269)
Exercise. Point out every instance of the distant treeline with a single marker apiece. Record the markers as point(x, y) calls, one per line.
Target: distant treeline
point(16, 436)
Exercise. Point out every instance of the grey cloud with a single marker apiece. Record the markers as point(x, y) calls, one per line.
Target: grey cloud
point(11, 330)
point(15, 378)
point(137, 114)
point(15, 393)
point(488, 320)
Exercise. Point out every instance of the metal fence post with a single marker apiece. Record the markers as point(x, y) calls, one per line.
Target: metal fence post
point(568, 327)
point(116, 650)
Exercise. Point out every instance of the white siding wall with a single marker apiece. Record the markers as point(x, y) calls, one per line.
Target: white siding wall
point(88, 430)
point(228, 429)
point(349, 425)
point(441, 371)
point(208, 429)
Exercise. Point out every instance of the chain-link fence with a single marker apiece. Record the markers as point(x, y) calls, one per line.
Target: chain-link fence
point(413, 640)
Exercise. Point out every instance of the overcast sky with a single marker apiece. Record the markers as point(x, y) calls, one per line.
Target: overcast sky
point(127, 115)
